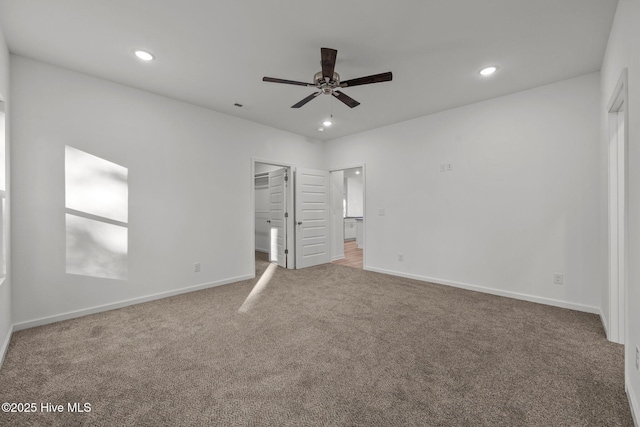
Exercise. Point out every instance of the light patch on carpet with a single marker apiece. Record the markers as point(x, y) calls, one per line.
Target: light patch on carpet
point(258, 288)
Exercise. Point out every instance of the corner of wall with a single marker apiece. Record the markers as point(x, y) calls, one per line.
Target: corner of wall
point(632, 404)
point(5, 345)
point(605, 324)
point(620, 54)
point(6, 315)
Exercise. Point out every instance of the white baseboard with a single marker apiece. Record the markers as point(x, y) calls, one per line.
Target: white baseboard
point(492, 291)
point(633, 404)
point(112, 306)
point(336, 258)
point(5, 345)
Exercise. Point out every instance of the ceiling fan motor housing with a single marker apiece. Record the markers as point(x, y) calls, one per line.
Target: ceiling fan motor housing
point(326, 86)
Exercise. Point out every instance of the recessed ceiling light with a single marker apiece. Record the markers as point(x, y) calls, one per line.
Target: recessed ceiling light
point(144, 55)
point(320, 129)
point(357, 172)
point(488, 71)
point(327, 123)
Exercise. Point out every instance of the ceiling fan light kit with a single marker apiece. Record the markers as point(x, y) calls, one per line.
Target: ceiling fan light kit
point(143, 55)
point(327, 81)
point(487, 71)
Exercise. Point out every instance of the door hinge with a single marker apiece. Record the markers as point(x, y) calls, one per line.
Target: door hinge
point(286, 214)
point(286, 251)
point(286, 177)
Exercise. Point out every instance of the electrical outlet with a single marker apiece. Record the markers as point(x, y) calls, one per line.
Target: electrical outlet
point(196, 267)
point(637, 359)
point(381, 212)
point(400, 257)
point(558, 278)
point(449, 167)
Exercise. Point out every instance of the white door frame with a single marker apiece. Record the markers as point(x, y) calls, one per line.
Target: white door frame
point(336, 207)
point(290, 224)
point(364, 206)
point(618, 190)
point(278, 214)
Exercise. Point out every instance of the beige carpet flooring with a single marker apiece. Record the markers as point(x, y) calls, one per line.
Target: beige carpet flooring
point(323, 346)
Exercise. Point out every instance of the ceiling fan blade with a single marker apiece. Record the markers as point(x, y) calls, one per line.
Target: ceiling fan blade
point(328, 62)
point(376, 78)
point(346, 99)
point(307, 99)
point(288, 82)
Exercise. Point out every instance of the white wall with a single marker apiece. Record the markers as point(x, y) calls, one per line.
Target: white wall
point(5, 287)
point(189, 188)
point(622, 51)
point(520, 204)
point(264, 167)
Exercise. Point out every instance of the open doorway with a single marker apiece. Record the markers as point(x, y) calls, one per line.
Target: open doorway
point(290, 207)
point(348, 216)
point(273, 224)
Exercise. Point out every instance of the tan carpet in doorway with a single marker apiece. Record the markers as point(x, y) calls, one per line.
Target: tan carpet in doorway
point(327, 345)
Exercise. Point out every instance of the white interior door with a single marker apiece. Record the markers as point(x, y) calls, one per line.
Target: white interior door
point(312, 218)
point(277, 218)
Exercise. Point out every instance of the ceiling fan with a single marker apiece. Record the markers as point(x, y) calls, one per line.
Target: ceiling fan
point(328, 81)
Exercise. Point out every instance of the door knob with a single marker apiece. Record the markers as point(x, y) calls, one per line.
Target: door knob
point(299, 222)
point(269, 221)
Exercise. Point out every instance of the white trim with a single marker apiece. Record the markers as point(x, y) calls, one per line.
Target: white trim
point(618, 210)
point(343, 168)
point(632, 404)
point(5, 345)
point(492, 291)
point(621, 86)
point(605, 325)
point(125, 303)
point(337, 258)
point(252, 209)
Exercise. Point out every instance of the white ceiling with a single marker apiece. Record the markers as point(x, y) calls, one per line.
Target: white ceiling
point(215, 53)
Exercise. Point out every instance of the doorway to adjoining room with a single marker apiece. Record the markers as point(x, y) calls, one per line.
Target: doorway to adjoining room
point(291, 213)
point(271, 204)
point(347, 189)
